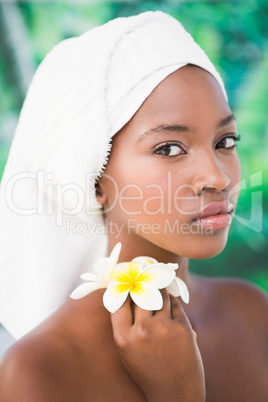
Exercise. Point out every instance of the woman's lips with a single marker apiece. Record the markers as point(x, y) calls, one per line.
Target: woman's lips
point(216, 215)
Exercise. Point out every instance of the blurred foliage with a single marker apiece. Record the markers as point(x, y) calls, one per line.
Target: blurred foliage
point(235, 36)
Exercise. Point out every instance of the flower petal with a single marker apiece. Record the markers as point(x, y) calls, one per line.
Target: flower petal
point(179, 288)
point(102, 262)
point(173, 288)
point(106, 265)
point(88, 276)
point(184, 292)
point(103, 273)
point(145, 260)
point(158, 275)
point(172, 265)
point(113, 298)
point(147, 297)
point(84, 290)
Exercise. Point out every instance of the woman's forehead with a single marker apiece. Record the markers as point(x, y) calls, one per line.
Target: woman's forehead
point(183, 96)
point(185, 84)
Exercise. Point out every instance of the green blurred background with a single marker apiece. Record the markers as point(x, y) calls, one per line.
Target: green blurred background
point(235, 36)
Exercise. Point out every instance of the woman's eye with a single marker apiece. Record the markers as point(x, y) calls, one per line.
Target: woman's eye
point(169, 150)
point(227, 142)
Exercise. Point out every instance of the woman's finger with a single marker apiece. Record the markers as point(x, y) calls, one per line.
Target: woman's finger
point(122, 319)
point(140, 315)
point(166, 309)
point(178, 314)
point(177, 311)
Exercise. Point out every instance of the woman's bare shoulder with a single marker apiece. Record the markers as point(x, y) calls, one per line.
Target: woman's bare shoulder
point(243, 292)
point(26, 369)
point(49, 363)
point(67, 358)
point(239, 297)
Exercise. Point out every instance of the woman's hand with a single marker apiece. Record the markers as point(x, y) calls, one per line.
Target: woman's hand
point(160, 351)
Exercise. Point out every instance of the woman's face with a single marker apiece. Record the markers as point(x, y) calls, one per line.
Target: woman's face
point(173, 165)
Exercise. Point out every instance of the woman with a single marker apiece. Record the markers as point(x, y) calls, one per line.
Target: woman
point(166, 191)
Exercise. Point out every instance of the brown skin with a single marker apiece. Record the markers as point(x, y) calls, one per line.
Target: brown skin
point(82, 353)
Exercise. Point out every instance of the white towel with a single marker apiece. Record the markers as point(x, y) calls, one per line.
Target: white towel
point(85, 90)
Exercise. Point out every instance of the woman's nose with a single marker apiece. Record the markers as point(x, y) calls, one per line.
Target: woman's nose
point(210, 175)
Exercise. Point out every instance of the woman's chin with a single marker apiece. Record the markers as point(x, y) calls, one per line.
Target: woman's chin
point(207, 251)
point(200, 247)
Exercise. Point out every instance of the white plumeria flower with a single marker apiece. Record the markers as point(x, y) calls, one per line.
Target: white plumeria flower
point(142, 281)
point(104, 269)
point(177, 286)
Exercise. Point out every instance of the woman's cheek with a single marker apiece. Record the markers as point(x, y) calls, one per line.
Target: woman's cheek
point(152, 202)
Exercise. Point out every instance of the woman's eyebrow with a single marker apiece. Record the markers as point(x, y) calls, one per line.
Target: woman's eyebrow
point(226, 121)
point(181, 128)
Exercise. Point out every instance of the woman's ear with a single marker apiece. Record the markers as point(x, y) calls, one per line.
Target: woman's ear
point(100, 194)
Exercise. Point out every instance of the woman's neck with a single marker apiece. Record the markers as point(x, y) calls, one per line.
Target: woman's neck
point(132, 248)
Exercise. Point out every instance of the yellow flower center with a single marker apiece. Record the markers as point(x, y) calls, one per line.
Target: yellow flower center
point(130, 278)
